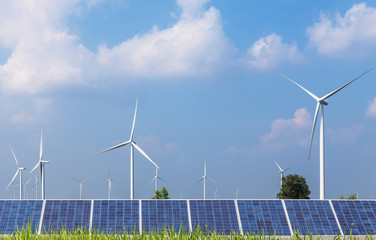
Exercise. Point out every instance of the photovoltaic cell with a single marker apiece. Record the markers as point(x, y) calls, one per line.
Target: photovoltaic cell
point(214, 216)
point(312, 216)
point(67, 214)
point(357, 217)
point(116, 216)
point(17, 214)
point(263, 217)
point(158, 215)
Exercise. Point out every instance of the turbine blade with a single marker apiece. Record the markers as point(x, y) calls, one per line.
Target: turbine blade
point(109, 175)
point(36, 166)
point(286, 169)
point(312, 95)
point(114, 147)
point(205, 169)
point(154, 178)
point(313, 128)
point(143, 153)
point(14, 155)
point(280, 169)
point(15, 175)
point(77, 180)
point(162, 179)
point(41, 146)
point(212, 180)
point(338, 89)
point(200, 180)
point(27, 181)
point(134, 120)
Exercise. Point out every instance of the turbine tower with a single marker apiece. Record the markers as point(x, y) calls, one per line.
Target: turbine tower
point(40, 164)
point(320, 107)
point(109, 180)
point(204, 178)
point(281, 171)
point(133, 145)
point(81, 185)
point(155, 179)
point(19, 170)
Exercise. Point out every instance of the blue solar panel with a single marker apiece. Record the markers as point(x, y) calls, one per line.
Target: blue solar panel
point(214, 216)
point(158, 215)
point(263, 216)
point(356, 217)
point(312, 216)
point(16, 214)
point(115, 216)
point(67, 214)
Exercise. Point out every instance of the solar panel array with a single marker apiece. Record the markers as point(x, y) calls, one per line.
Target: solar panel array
point(217, 216)
point(263, 217)
point(319, 217)
point(158, 215)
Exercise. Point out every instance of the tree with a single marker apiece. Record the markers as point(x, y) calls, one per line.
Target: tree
point(350, 197)
point(294, 187)
point(163, 194)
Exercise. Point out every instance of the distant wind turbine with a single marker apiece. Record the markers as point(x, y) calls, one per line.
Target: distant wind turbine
point(109, 180)
point(281, 171)
point(237, 193)
point(133, 145)
point(81, 185)
point(19, 170)
point(40, 164)
point(14, 189)
point(155, 179)
point(215, 193)
point(204, 178)
point(320, 106)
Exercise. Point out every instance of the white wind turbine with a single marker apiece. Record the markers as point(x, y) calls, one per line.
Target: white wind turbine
point(109, 180)
point(155, 179)
point(281, 171)
point(204, 178)
point(81, 185)
point(133, 145)
point(19, 170)
point(40, 164)
point(320, 107)
point(26, 189)
point(14, 189)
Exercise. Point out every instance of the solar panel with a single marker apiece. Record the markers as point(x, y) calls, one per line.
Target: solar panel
point(263, 217)
point(115, 216)
point(217, 216)
point(356, 217)
point(158, 215)
point(67, 214)
point(16, 214)
point(312, 216)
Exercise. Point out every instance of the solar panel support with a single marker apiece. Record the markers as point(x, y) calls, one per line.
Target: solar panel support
point(140, 216)
point(238, 215)
point(41, 217)
point(91, 215)
point(335, 216)
point(287, 217)
point(189, 216)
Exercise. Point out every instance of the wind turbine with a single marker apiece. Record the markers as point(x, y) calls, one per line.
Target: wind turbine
point(133, 145)
point(81, 185)
point(40, 164)
point(320, 107)
point(19, 170)
point(14, 189)
point(237, 193)
point(155, 179)
point(204, 178)
point(25, 188)
point(281, 171)
point(109, 180)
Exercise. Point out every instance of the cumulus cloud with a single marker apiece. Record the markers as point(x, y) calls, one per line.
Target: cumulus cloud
point(354, 34)
point(371, 110)
point(269, 52)
point(288, 132)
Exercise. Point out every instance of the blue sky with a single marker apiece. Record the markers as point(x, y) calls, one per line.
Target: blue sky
point(207, 77)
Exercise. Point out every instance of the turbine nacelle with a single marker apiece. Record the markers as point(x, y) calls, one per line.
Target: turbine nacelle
point(323, 102)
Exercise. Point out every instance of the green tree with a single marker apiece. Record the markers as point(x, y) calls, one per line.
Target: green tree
point(163, 194)
point(350, 197)
point(294, 187)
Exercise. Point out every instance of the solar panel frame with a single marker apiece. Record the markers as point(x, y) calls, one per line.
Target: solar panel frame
point(357, 217)
point(312, 217)
point(217, 216)
point(17, 214)
point(115, 216)
point(68, 214)
point(263, 217)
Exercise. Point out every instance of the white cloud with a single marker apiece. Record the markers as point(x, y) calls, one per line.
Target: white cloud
point(32, 110)
point(153, 143)
point(354, 34)
point(288, 132)
point(345, 135)
point(371, 110)
point(269, 52)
